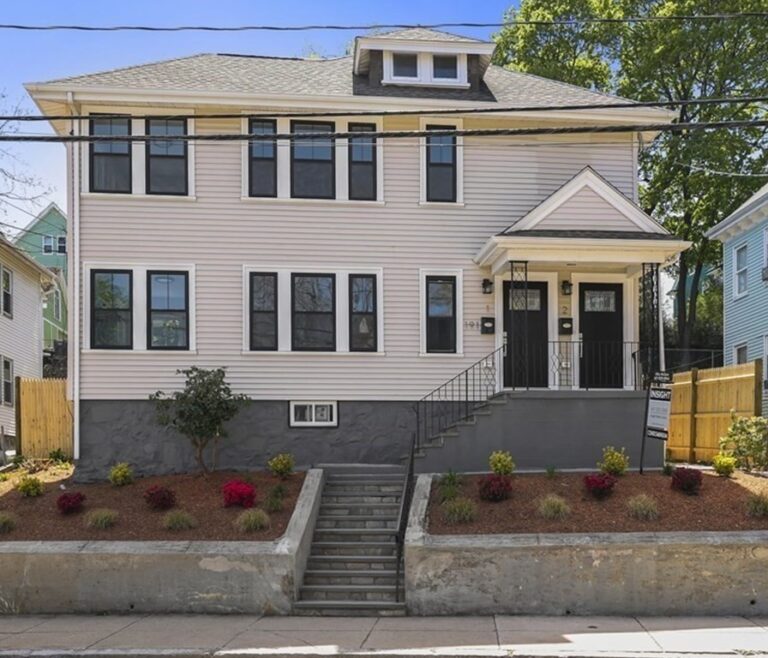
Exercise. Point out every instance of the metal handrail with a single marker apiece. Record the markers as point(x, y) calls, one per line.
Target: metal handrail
point(402, 519)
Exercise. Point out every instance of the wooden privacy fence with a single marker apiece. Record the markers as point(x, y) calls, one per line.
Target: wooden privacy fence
point(43, 417)
point(702, 404)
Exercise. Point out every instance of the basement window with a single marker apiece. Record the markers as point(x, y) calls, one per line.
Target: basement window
point(314, 414)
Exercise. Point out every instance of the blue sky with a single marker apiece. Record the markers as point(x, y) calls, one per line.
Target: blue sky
point(38, 56)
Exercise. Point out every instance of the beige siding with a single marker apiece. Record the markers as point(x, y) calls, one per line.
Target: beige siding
point(588, 211)
point(220, 234)
point(21, 336)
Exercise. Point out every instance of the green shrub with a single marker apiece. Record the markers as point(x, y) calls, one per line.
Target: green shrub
point(747, 441)
point(18, 460)
point(643, 508)
point(501, 463)
point(281, 465)
point(101, 519)
point(449, 486)
point(724, 465)
point(757, 505)
point(58, 456)
point(178, 519)
point(459, 510)
point(553, 507)
point(29, 487)
point(551, 472)
point(4, 477)
point(274, 500)
point(7, 523)
point(121, 474)
point(668, 469)
point(252, 520)
point(615, 462)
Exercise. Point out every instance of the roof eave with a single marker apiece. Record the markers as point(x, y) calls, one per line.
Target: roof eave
point(740, 221)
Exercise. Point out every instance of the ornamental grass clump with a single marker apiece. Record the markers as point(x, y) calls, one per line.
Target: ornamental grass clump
point(179, 519)
point(7, 523)
point(101, 519)
point(687, 480)
point(724, 465)
point(553, 507)
point(275, 498)
point(449, 486)
point(757, 506)
point(495, 488)
point(615, 462)
point(238, 493)
point(160, 498)
point(121, 474)
point(281, 465)
point(501, 463)
point(599, 485)
point(458, 511)
point(29, 487)
point(643, 508)
point(70, 502)
point(252, 520)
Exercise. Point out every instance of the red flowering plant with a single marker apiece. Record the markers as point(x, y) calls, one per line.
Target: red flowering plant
point(237, 492)
point(495, 488)
point(70, 502)
point(599, 485)
point(687, 480)
point(158, 497)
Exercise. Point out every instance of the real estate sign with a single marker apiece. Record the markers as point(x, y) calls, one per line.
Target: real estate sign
point(657, 417)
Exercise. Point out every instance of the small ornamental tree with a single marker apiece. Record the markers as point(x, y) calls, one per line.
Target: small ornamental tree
point(200, 410)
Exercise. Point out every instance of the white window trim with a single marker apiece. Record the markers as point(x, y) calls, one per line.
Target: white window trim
point(45, 240)
point(425, 70)
point(3, 311)
point(441, 121)
point(736, 293)
point(59, 238)
point(423, 274)
point(5, 402)
point(313, 423)
point(341, 170)
point(139, 301)
point(736, 349)
point(284, 316)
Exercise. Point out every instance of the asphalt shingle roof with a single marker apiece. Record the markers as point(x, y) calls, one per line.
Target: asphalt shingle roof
point(422, 34)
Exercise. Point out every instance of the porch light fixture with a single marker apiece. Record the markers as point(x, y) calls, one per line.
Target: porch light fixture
point(487, 287)
point(566, 287)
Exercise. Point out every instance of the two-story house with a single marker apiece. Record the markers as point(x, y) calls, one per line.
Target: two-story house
point(341, 273)
point(744, 234)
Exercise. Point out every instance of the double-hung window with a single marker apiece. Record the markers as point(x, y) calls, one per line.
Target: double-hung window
point(61, 244)
point(47, 244)
point(110, 160)
point(313, 161)
point(167, 310)
point(740, 354)
point(263, 309)
point(112, 309)
point(441, 165)
point(166, 158)
point(363, 333)
point(441, 314)
point(362, 163)
point(313, 312)
point(262, 159)
point(7, 376)
point(6, 287)
point(740, 271)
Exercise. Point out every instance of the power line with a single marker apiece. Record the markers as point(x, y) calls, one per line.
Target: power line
point(386, 113)
point(391, 134)
point(395, 26)
point(23, 230)
point(717, 172)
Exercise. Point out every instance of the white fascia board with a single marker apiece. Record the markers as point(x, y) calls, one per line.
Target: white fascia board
point(725, 231)
point(420, 46)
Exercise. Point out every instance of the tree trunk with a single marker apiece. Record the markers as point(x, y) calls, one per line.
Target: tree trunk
point(200, 456)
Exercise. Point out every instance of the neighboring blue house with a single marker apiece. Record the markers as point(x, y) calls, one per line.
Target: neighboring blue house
point(744, 235)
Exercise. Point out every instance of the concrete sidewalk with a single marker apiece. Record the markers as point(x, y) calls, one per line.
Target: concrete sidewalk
point(232, 636)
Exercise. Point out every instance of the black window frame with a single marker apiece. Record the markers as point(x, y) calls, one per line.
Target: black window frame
point(375, 313)
point(94, 273)
point(59, 239)
point(363, 128)
point(454, 164)
point(294, 142)
point(150, 310)
point(441, 278)
point(251, 312)
point(251, 158)
point(92, 154)
point(148, 156)
point(333, 312)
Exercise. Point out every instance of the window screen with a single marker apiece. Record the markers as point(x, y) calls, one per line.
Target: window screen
point(262, 160)
point(362, 163)
point(441, 165)
point(313, 162)
point(110, 161)
point(166, 159)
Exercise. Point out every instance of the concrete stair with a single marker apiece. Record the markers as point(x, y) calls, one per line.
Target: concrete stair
point(352, 566)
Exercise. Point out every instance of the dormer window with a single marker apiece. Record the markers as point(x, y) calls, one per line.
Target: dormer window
point(445, 67)
point(405, 65)
point(425, 69)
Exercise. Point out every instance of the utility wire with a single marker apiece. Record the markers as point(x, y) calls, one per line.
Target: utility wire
point(397, 26)
point(386, 113)
point(390, 134)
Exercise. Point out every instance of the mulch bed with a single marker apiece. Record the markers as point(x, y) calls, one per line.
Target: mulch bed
point(39, 519)
point(720, 505)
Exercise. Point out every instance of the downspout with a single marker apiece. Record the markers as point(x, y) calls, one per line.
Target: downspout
point(74, 273)
point(662, 355)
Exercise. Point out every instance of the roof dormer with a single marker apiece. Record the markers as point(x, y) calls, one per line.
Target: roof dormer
point(421, 57)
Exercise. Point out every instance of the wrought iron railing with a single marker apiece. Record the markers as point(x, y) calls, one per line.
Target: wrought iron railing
point(402, 519)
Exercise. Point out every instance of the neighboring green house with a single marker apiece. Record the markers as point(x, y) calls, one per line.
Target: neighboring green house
point(45, 241)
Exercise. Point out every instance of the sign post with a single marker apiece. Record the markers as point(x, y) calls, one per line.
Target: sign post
point(658, 402)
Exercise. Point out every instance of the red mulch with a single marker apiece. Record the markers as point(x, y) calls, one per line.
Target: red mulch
point(720, 505)
point(39, 519)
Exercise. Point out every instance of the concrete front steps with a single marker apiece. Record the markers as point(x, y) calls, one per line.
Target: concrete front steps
point(352, 566)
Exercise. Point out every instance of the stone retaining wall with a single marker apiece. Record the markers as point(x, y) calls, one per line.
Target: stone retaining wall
point(685, 573)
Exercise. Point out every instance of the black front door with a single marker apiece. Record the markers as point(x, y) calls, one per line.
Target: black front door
point(601, 323)
point(527, 331)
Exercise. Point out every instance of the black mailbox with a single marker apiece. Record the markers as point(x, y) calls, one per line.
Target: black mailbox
point(488, 325)
point(565, 326)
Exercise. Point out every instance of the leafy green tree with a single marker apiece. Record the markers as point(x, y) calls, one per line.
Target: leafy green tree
point(200, 410)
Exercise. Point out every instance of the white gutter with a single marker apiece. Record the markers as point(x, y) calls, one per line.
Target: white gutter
point(74, 277)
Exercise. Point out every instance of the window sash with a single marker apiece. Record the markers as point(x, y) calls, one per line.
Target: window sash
point(362, 163)
point(740, 354)
point(740, 270)
point(7, 381)
point(262, 158)
point(156, 160)
point(356, 317)
point(305, 414)
point(439, 69)
point(300, 319)
point(98, 153)
point(112, 314)
point(6, 287)
point(437, 166)
point(410, 64)
point(267, 342)
point(47, 244)
point(441, 330)
point(166, 315)
point(61, 244)
point(306, 170)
